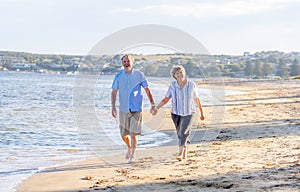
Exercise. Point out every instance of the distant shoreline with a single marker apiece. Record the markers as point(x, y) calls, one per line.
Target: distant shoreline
point(264, 64)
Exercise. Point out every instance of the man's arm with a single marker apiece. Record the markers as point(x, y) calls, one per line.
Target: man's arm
point(113, 103)
point(150, 96)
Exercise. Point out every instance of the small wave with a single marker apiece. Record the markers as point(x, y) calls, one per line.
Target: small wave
point(19, 171)
point(71, 150)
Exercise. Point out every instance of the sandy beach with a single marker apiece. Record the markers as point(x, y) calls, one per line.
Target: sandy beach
point(257, 149)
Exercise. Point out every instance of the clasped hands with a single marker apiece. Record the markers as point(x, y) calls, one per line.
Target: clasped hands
point(153, 110)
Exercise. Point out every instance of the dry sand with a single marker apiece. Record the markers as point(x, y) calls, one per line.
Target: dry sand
point(258, 149)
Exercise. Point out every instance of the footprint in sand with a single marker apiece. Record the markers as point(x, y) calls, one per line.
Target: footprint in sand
point(122, 171)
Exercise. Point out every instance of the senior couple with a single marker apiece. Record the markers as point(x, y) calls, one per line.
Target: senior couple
point(183, 95)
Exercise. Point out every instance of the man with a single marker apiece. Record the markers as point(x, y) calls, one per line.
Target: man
point(129, 83)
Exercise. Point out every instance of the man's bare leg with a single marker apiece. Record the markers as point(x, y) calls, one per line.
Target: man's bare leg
point(134, 142)
point(127, 141)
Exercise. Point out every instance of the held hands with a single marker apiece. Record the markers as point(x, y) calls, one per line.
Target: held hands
point(153, 110)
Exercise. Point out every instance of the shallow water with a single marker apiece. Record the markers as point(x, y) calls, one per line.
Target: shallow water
point(39, 129)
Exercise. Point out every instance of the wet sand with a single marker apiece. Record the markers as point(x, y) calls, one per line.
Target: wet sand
point(257, 149)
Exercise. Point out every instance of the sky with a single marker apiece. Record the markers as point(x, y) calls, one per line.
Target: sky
point(222, 26)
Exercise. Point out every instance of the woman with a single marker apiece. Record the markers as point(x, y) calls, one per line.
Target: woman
point(183, 93)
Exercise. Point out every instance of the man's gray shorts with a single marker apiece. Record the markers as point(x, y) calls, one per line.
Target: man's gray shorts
point(130, 123)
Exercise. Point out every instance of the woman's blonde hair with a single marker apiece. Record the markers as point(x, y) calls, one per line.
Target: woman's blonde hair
point(175, 69)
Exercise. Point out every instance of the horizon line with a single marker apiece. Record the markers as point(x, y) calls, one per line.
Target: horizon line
point(148, 54)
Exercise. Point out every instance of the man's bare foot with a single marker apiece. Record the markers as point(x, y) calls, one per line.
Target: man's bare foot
point(131, 159)
point(128, 154)
point(132, 155)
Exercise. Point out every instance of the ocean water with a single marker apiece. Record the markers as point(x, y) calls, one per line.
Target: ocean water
point(39, 127)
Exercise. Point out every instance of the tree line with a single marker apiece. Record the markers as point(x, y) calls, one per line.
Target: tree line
point(258, 65)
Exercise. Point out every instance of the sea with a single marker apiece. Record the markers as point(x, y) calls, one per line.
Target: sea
point(41, 125)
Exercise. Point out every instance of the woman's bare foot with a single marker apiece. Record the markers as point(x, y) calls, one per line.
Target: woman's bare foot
point(180, 152)
point(179, 158)
point(184, 153)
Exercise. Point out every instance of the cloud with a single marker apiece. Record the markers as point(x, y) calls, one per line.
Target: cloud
point(211, 9)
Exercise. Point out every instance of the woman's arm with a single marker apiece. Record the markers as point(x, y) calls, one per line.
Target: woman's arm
point(197, 100)
point(163, 102)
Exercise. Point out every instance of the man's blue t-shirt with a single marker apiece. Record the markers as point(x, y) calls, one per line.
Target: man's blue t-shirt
point(130, 93)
